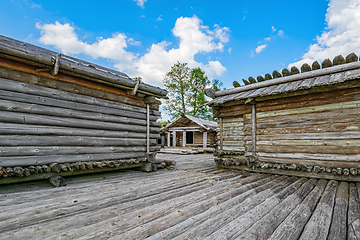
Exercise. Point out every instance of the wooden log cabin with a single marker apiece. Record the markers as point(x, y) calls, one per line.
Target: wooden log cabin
point(63, 116)
point(302, 124)
point(191, 131)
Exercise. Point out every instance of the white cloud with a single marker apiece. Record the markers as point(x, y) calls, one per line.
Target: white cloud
point(267, 39)
point(260, 48)
point(229, 50)
point(140, 3)
point(195, 38)
point(159, 18)
point(131, 41)
point(273, 29)
point(341, 36)
point(280, 33)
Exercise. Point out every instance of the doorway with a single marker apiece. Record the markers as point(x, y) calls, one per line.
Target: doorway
point(189, 138)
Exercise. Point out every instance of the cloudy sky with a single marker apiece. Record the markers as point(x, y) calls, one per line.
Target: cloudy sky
point(230, 40)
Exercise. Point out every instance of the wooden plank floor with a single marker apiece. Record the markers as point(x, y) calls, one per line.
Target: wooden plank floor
point(194, 201)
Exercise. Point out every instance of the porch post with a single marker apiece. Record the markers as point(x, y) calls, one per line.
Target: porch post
point(184, 139)
point(174, 138)
point(168, 139)
point(204, 139)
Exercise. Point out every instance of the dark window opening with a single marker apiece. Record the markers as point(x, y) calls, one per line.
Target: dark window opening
point(189, 138)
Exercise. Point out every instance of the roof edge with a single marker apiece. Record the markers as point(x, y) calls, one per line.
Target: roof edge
point(314, 73)
point(69, 64)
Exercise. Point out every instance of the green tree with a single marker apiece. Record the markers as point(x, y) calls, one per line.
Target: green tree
point(177, 83)
point(198, 82)
point(186, 91)
point(217, 85)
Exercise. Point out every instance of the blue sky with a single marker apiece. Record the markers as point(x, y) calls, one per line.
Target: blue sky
point(230, 40)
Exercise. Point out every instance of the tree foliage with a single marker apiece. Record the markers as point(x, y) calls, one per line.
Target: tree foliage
point(186, 91)
point(177, 83)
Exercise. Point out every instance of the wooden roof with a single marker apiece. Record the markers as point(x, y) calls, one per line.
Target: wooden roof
point(195, 202)
point(186, 119)
point(329, 76)
point(37, 56)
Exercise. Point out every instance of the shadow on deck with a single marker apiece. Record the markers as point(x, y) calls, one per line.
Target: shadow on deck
point(195, 201)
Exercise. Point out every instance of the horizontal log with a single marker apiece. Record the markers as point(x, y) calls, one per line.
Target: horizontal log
point(308, 136)
point(302, 162)
point(273, 129)
point(31, 74)
point(63, 150)
point(31, 140)
point(12, 117)
point(6, 105)
point(337, 116)
point(33, 99)
point(47, 175)
point(325, 148)
point(28, 90)
point(40, 160)
point(26, 129)
point(309, 100)
point(233, 125)
point(320, 157)
point(233, 120)
point(43, 56)
point(229, 148)
point(313, 109)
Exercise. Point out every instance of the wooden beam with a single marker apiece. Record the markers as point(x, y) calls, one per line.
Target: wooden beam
point(254, 129)
point(184, 138)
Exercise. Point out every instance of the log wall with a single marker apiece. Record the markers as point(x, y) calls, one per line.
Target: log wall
point(317, 133)
point(46, 121)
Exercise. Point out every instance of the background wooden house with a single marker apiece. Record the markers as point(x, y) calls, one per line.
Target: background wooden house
point(63, 116)
point(302, 124)
point(191, 131)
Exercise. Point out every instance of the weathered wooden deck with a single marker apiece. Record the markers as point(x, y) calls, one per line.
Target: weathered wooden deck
point(196, 201)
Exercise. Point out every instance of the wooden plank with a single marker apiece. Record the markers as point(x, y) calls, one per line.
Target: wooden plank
point(33, 99)
point(338, 228)
point(187, 227)
point(309, 100)
point(326, 157)
point(303, 162)
point(310, 136)
point(26, 73)
point(349, 148)
point(264, 227)
point(31, 140)
point(273, 129)
point(202, 227)
point(313, 109)
point(20, 118)
point(64, 150)
point(233, 120)
point(322, 214)
point(242, 221)
point(293, 225)
point(28, 88)
point(13, 106)
point(353, 220)
point(26, 129)
point(11, 161)
point(336, 116)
